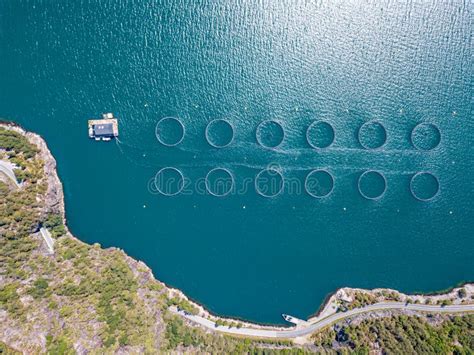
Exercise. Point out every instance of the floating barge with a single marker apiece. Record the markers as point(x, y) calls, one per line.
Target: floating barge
point(103, 129)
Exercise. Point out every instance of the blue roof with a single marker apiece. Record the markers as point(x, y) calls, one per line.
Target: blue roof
point(104, 130)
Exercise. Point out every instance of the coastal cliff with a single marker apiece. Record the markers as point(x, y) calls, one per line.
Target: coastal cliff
point(86, 299)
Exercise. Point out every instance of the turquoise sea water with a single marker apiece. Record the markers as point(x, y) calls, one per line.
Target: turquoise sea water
point(390, 64)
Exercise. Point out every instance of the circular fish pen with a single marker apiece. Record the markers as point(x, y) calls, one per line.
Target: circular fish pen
point(424, 186)
point(372, 135)
point(320, 134)
point(425, 136)
point(219, 133)
point(319, 183)
point(269, 182)
point(372, 185)
point(169, 131)
point(219, 182)
point(270, 134)
point(169, 181)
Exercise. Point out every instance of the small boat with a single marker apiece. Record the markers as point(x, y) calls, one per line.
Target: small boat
point(287, 317)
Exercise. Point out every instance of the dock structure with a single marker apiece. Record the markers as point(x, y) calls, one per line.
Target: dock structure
point(103, 129)
point(294, 320)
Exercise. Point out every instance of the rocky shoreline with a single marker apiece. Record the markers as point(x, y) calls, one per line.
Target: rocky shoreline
point(343, 298)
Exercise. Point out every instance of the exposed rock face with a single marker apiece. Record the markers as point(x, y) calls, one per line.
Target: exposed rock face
point(54, 193)
point(54, 202)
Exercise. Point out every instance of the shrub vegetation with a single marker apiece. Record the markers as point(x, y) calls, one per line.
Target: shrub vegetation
point(102, 302)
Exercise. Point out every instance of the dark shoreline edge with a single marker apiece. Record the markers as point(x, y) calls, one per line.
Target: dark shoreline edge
point(207, 309)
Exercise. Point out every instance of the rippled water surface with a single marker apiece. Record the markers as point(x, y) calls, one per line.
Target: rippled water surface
point(384, 63)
